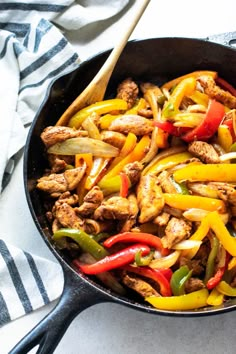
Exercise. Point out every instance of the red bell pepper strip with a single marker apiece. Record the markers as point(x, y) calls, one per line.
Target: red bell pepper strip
point(154, 274)
point(214, 115)
point(125, 183)
point(144, 238)
point(115, 260)
point(225, 85)
point(168, 127)
point(214, 281)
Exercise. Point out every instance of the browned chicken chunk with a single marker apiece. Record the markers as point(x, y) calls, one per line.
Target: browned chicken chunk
point(162, 219)
point(214, 91)
point(194, 284)
point(165, 182)
point(56, 134)
point(57, 183)
point(133, 171)
point(67, 216)
point(132, 123)
point(113, 138)
point(133, 212)
point(92, 200)
point(113, 208)
point(128, 91)
point(204, 151)
point(140, 286)
point(176, 231)
point(225, 191)
point(150, 198)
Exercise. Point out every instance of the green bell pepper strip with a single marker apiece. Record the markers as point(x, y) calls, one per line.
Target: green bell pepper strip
point(143, 261)
point(191, 301)
point(181, 187)
point(210, 266)
point(178, 280)
point(84, 240)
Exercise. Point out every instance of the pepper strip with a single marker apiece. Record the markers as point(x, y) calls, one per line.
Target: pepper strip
point(145, 238)
point(226, 289)
point(84, 241)
point(211, 259)
point(224, 172)
point(168, 85)
point(115, 260)
point(191, 301)
point(183, 202)
point(215, 298)
point(178, 280)
point(154, 274)
point(169, 162)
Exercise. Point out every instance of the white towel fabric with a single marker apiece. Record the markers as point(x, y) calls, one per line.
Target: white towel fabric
point(33, 52)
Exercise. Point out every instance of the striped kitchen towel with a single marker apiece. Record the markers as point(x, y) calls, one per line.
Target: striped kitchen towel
point(33, 52)
point(27, 282)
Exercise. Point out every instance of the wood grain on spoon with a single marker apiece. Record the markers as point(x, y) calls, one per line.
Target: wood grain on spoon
point(95, 91)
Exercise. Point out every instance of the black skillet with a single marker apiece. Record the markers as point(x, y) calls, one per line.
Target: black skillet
point(156, 60)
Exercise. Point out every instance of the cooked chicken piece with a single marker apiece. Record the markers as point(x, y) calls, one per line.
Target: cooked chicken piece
point(193, 264)
point(133, 212)
point(145, 112)
point(91, 202)
point(165, 182)
point(150, 198)
point(57, 183)
point(214, 91)
point(162, 219)
point(56, 225)
point(128, 91)
point(67, 216)
point(194, 284)
point(140, 286)
point(56, 134)
point(176, 231)
point(113, 208)
point(133, 123)
point(95, 227)
point(113, 138)
point(67, 197)
point(57, 165)
point(173, 211)
point(204, 151)
point(133, 171)
point(225, 191)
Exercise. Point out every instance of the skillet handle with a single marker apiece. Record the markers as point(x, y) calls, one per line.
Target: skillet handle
point(76, 297)
point(228, 38)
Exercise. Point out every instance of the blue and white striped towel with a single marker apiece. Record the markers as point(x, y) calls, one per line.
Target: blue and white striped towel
point(33, 51)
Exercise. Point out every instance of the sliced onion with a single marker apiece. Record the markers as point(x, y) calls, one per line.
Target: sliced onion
point(165, 262)
point(85, 145)
point(187, 245)
point(89, 125)
point(195, 214)
point(228, 156)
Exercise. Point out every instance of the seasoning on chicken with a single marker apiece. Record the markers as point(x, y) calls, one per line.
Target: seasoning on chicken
point(214, 91)
point(113, 208)
point(194, 284)
point(133, 212)
point(165, 182)
point(176, 231)
point(113, 138)
point(204, 151)
point(132, 123)
point(67, 216)
point(56, 134)
point(133, 171)
point(128, 90)
point(162, 219)
point(57, 183)
point(225, 191)
point(140, 286)
point(91, 202)
point(150, 198)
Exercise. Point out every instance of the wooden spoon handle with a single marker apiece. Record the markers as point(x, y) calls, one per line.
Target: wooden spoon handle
point(95, 91)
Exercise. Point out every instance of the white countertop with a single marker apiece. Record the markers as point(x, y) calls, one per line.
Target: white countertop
point(111, 328)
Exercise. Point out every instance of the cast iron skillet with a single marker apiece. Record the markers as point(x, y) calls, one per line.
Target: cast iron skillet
point(157, 60)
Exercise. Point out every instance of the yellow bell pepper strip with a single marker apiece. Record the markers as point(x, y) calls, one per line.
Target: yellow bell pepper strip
point(191, 301)
point(115, 260)
point(207, 173)
point(119, 183)
point(79, 159)
point(97, 170)
point(224, 137)
point(209, 125)
point(98, 107)
point(221, 232)
point(139, 105)
point(200, 98)
point(226, 289)
point(169, 162)
point(188, 119)
point(158, 275)
point(84, 240)
point(210, 266)
point(107, 119)
point(184, 88)
point(178, 280)
point(168, 85)
point(215, 298)
point(232, 263)
point(137, 154)
point(185, 202)
point(129, 145)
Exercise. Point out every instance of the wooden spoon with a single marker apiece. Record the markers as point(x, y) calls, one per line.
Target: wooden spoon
point(95, 91)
